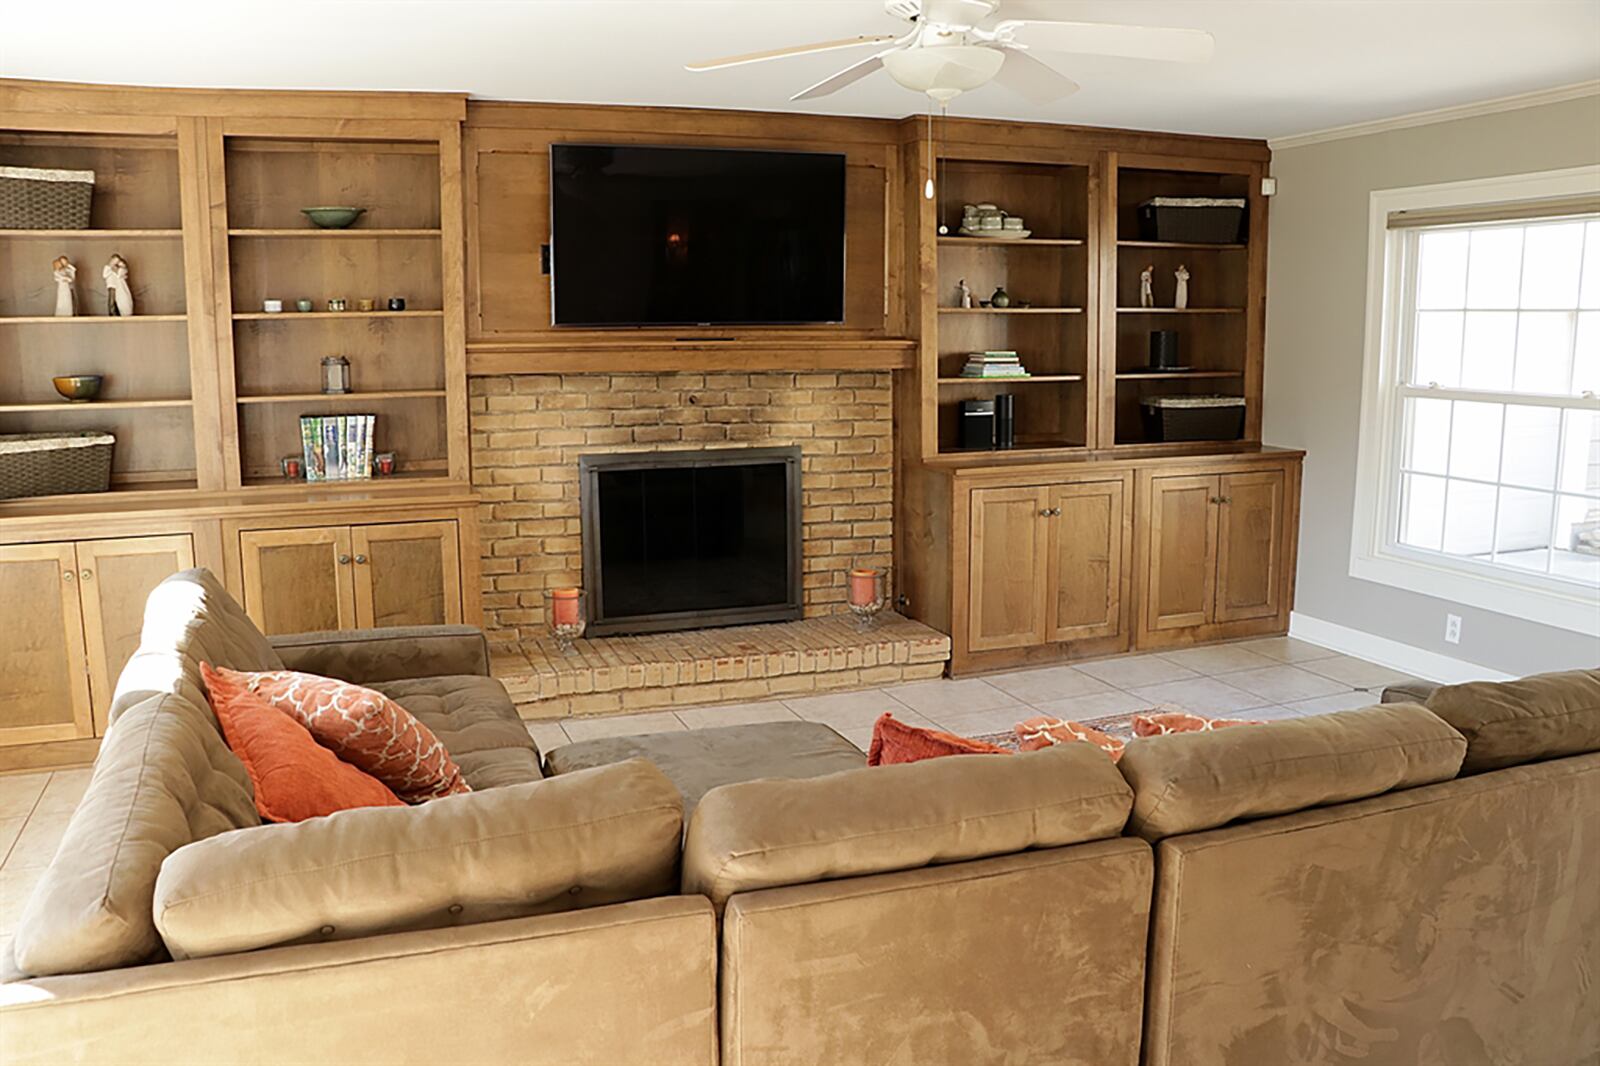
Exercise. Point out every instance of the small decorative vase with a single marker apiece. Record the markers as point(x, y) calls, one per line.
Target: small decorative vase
point(1000, 298)
point(866, 593)
point(565, 614)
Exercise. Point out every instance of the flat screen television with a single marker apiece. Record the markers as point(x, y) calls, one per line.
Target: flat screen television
point(650, 236)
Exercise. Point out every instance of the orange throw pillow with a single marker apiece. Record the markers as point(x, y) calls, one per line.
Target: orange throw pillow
point(1042, 732)
point(295, 778)
point(366, 729)
point(895, 742)
point(1164, 722)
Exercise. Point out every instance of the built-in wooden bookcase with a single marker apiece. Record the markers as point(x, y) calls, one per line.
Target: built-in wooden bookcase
point(396, 249)
point(147, 398)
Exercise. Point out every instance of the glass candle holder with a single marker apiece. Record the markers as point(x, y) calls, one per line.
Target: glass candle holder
point(565, 614)
point(866, 593)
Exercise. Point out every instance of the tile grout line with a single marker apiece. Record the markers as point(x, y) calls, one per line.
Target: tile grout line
point(29, 817)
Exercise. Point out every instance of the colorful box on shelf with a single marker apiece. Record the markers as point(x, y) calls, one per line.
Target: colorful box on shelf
point(337, 447)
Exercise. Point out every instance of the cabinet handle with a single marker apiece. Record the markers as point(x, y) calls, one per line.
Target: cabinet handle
point(1055, 512)
point(361, 558)
point(344, 560)
point(86, 574)
point(67, 575)
point(1044, 512)
point(1226, 499)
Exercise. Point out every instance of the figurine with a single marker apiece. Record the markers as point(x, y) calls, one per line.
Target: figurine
point(1181, 300)
point(119, 298)
point(1000, 298)
point(963, 294)
point(1146, 279)
point(66, 295)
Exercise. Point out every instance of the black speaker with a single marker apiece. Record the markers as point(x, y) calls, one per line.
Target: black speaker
point(977, 423)
point(1164, 349)
point(1005, 421)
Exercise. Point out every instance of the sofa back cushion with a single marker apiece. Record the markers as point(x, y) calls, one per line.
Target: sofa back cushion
point(188, 618)
point(164, 778)
point(761, 834)
point(1187, 782)
point(580, 840)
point(1545, 716)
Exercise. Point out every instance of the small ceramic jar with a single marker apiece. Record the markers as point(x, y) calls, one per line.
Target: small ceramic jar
point(364, 305)
point(397, 303)
point(272, 307)
point(338, 303)
point(303, 305)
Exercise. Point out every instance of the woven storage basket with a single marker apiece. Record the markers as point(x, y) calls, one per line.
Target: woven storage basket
point(31, 198)
point(1192, 219)
point(45, 464)
point(1175, 418)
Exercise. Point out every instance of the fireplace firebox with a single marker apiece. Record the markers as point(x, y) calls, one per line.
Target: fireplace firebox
point(690, 539)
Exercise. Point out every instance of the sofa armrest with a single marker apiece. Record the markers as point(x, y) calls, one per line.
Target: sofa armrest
point(1408, 692)
point(364, 656)
point(564, 988)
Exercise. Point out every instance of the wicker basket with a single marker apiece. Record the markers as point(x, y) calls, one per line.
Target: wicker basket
point(1192, 219)
point(31, 198)
point(1175, 418)
point(46, 464)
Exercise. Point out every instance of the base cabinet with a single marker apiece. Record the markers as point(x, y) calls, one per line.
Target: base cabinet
point(303, 579)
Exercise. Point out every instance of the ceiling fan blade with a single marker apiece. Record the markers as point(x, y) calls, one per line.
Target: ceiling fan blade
point(1033, 80)
point(780, 53)
point(848, 76)
point(1106, 39)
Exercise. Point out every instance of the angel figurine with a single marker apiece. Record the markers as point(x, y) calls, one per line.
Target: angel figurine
point(1181, 300)
point(1146, 286)
point(66, 295)
point(963, 294)
point(119, 298)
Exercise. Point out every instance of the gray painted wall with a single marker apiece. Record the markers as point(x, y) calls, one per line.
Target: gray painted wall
point(1316, 314)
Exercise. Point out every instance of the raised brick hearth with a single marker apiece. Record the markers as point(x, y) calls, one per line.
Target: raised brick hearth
point(733, 664)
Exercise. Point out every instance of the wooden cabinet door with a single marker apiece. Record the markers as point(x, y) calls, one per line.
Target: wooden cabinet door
point(406, 574)
point(1180, 576)
point(298, 580)
point(114, 579)
point(44, 677)
point(1087, 527)
point(1007, 601)
point(1250, 545)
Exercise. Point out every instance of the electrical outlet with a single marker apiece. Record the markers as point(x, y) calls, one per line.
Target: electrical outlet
point(1452, 629)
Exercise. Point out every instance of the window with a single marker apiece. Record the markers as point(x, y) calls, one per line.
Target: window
point(1480, 460)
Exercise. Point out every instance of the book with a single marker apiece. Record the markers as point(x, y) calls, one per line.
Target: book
point(311, 448)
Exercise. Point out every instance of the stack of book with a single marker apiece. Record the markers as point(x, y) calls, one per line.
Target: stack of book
point(993, 365)
point(337, 447)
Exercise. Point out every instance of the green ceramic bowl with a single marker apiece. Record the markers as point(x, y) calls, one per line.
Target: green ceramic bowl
point(333, 217)
point(78, 388)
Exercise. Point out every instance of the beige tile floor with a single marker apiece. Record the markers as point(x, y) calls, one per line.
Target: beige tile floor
point(1271, 678)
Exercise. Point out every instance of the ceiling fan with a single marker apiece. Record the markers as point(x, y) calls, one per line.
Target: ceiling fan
point(958, 45)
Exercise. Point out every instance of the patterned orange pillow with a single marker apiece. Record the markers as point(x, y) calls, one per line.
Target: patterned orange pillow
point(1163, 722)
point(294, 777)
point(1043, 731)
point(364, 728)
point(894, 741)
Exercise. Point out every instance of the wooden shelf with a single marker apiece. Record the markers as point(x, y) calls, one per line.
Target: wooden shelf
point(1011, 310)
point(114, 405)
point(92, 234)
point(1180, 310)
point(1031, 378)
point(261, 316)
point(407, 234)
point(343, 397)
point(1156, 375)
point(1198, 245)
point(39, 320)
point(1049, 242)
point(400, 481)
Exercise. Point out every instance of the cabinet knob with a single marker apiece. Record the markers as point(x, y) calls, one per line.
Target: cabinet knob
point(344, 560)
point(1055, 512)
point(67, 575)
point(1044, 512)
point(86, 574)
point(361, 558)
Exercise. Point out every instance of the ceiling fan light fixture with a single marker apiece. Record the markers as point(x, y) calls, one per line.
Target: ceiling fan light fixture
point(944, 71)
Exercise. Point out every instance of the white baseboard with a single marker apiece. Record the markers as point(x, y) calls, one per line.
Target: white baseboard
point(1418, 662)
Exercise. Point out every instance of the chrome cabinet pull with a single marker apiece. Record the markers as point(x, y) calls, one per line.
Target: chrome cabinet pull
point(361, 558)
point(344, 560)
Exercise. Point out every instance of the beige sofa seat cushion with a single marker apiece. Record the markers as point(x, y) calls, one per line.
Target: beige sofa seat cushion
point(589, 838)
point(164, 778)
point(1187, 782)
point(189, 618)
point(762, 834)
point(388, 653)
point(700, 760)
point(476, 722)
point(1545, 716)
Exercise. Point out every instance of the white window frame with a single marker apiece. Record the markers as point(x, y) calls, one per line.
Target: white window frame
point(1374, 553)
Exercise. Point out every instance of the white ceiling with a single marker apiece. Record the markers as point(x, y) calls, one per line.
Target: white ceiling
point(1282, 66)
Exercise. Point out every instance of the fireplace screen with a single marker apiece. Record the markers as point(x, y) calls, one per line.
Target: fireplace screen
point(685, 540)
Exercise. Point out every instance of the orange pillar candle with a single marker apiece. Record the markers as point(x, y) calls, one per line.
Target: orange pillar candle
point(564, 607)
point(863, 587)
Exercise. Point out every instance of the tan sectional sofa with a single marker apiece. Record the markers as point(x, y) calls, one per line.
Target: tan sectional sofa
point(1398, 885)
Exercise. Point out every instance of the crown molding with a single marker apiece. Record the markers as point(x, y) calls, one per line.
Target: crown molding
point(1440, 114)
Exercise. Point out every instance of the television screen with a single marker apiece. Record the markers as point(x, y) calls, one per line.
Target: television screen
point(647, 236)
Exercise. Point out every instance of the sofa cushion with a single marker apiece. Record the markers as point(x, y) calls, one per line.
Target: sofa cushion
point(702, 759)
point(389, 653)
point(1545, 716)
point(761, 834)
point(477, 723)
point(188, 618)
point(586, 839)
point(1187, 782)
point(164, 778)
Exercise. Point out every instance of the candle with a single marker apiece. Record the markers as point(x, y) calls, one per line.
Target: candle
point(864, 587)
point(564, 607)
